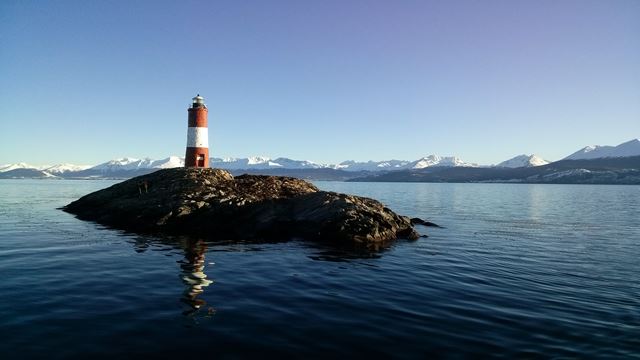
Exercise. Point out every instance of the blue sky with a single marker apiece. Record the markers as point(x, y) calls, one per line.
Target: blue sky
point(88, 81)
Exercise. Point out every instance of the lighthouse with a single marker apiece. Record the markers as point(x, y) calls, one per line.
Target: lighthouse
point(197, 135)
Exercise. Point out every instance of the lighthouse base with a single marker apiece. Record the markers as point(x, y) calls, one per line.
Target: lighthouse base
point(196, 157)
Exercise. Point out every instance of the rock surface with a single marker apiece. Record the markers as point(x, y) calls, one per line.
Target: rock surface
point(418, 221)
point(211, 203)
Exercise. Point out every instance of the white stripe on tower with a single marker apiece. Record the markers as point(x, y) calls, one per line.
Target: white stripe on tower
point(198, 137)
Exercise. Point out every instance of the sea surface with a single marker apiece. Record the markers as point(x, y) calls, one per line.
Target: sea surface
point(549, 271)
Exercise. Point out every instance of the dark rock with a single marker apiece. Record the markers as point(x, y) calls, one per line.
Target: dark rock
point(418, 221)
point(211, 203)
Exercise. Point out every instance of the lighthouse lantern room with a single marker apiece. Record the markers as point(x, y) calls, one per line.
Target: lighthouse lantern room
point(197, 154)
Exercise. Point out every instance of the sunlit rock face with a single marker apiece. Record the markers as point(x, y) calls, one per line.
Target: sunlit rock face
point(211, 203)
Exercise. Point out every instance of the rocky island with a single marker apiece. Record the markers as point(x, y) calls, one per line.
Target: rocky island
point(213, 204)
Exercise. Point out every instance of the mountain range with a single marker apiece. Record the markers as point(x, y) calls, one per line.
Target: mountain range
point(129, 167)
point(523, 161)
point(613, 170)
point(629, 148)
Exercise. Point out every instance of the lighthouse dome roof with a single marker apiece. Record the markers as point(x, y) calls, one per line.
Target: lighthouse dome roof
point(198, 101)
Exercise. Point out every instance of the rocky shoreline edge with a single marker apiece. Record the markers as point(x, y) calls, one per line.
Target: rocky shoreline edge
point(213, 204)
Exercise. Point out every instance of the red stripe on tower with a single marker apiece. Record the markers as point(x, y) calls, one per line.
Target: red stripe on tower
point(197, 154)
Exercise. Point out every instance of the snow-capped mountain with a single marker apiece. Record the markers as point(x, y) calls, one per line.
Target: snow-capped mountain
point(9, 167)
point(136, 164)
point(261, 162)
point(123, 164)
point(297, 164)
point(591, 152)
point(390, 165)
point(127, 166)
point(168, 163)
point(435, 160)
point(256, 162)
point(351, 165)
point(63, 168)
point(523, 161)
point(629, 148)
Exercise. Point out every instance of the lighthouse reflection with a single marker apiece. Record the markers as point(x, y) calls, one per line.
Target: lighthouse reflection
point(193, 276)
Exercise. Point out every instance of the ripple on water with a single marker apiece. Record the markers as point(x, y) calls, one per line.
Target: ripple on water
point(519, 271)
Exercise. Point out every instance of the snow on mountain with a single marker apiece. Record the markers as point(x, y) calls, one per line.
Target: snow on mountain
point(351, 165)
point(435, 160)
point(297, 164)
point(63, 168)
point(261, 162)
point(523, 161)
point(136, 164)
point(255, 162)
point(26, 173)
point(8, 167)
point(168, 163)
point(629, 148)
point(431, 160)
point(591, 152)
point(124, 164)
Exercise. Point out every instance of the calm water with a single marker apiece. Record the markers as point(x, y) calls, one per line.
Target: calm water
point(519, 271)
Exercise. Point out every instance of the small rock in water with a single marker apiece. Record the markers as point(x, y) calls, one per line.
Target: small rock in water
point(418, 221)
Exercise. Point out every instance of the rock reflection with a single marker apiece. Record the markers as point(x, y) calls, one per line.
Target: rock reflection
point(141, 244)
point(193, 277)
point(347, 252)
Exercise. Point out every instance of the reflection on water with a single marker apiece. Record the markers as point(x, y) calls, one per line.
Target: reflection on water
point(141, 244)
point(193, 262)
point(192, 267)
point(193, 277)
point(520, 271)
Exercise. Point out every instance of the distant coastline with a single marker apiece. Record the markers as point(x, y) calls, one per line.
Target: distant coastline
point(614, 171)
point(590, 165)
point(619, 171)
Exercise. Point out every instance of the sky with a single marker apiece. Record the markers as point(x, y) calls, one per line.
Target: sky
point(88, 81)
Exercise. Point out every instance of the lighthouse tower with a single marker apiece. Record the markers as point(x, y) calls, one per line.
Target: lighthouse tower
point(197, 135)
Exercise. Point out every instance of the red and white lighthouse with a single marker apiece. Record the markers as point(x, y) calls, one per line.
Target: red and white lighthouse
point(197, 135)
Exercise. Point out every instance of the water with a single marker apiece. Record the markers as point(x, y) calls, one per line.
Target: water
point(519, 271)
